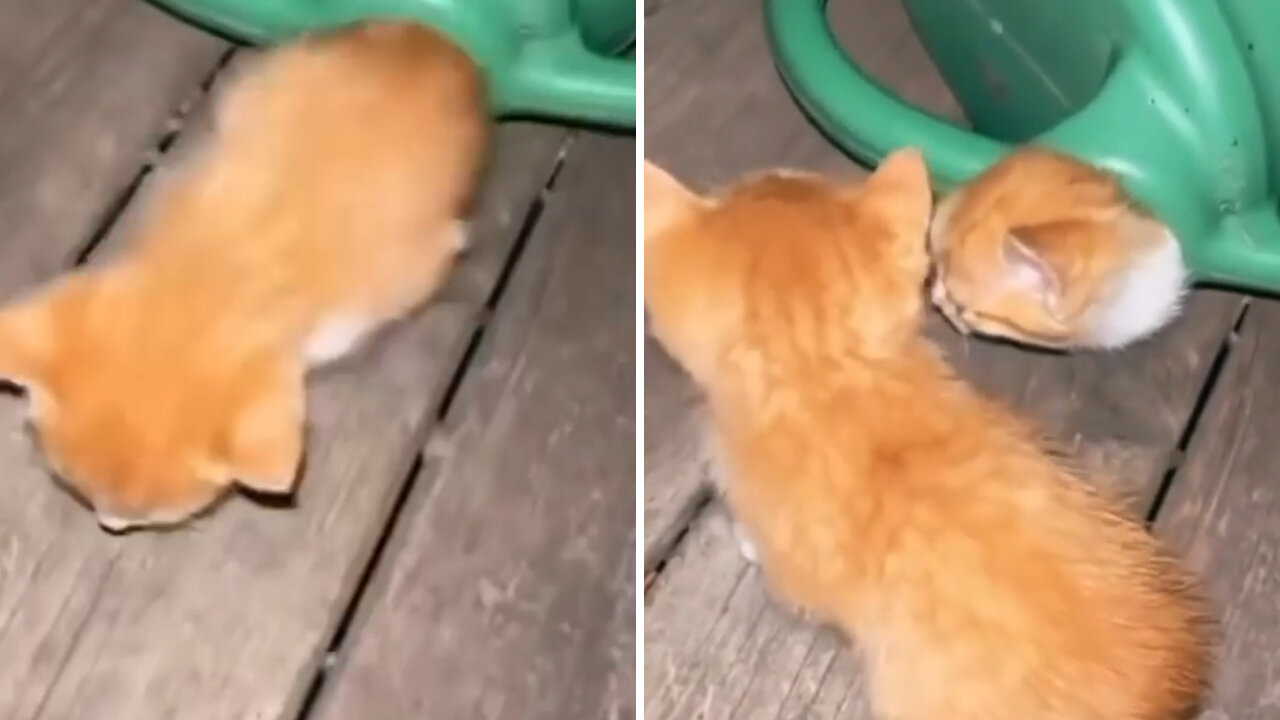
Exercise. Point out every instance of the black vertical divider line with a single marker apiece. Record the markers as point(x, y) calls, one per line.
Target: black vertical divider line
point(410, 482)
point(696, 507)
point(1197, 410)
point(115, 209)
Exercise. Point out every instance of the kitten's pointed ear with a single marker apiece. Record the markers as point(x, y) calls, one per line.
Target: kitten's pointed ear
point(666, 201)
point(1026, 271)
point(262, 448)
point(900, 190)
point(26, 341)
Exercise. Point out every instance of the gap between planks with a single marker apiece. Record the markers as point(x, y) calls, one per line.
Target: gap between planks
point(436, 441)
point(1178, 455)
point(151, 160)
point(470, 560)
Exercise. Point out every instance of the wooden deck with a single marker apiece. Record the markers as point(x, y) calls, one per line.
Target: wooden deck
point(1184, 421)
point(462, 544)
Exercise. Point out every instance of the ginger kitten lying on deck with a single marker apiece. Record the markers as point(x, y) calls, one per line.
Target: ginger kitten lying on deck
point(984, 579)
point(328, 202)
point(1047, 250)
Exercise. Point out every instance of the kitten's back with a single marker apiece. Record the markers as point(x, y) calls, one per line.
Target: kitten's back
point(376, 104)
point(327, 202)
point(983, 578)
point(339, 171)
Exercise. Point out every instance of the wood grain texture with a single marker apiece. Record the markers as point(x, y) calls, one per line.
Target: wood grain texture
point(715, 109)
point(676, 453)
point(717, 647)
point(1221, 513)
point(509, 590)
point(86, 90)
point(230, 617)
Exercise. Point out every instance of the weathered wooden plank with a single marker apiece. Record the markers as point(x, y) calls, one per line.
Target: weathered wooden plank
point(754, 659)
point(715, 109)
point(675, 453)
point(509, 591)
point(1221, 513)
point(230, 618)
point(85, 91)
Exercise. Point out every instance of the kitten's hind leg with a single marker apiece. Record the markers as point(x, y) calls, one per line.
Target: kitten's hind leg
point(335, 336)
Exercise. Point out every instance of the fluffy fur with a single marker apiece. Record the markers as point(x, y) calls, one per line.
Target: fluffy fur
point(1047, 250)
point(984, 579)
point(327, 203)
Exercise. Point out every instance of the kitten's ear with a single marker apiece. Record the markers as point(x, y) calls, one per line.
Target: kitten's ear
point(899, 190)
point(26, 341)
point(1026, 271)
point(262, 447)
point(666, 201)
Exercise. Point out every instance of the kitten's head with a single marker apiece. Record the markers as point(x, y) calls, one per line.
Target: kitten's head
point(786, 263)
point(1046, 250)
point(1012, 290)
point(145, 436)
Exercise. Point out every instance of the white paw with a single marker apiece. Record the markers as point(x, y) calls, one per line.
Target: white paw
point(942, 301)
point(745, 544)
point(460, 236)
point(334, 337)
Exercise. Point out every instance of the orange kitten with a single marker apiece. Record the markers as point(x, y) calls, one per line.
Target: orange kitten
point(983, 579)
point(328, 202)
point(1047, 250)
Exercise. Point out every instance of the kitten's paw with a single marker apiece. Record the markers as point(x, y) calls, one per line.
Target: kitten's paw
point(334, 337)
point(942, 301)
point(745, 545)
point(938, 294)
point(460, 236)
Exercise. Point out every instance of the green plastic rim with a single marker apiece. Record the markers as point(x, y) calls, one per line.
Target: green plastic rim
point(537, 58)
point(1199, 160)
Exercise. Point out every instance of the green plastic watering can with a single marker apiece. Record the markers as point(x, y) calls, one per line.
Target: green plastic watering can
point(1180, 98)
point(556, 59)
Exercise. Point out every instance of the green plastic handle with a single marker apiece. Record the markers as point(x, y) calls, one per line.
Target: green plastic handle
point(1176, 119)
point(860, 115)
point(535, 54)
point(558, 78)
